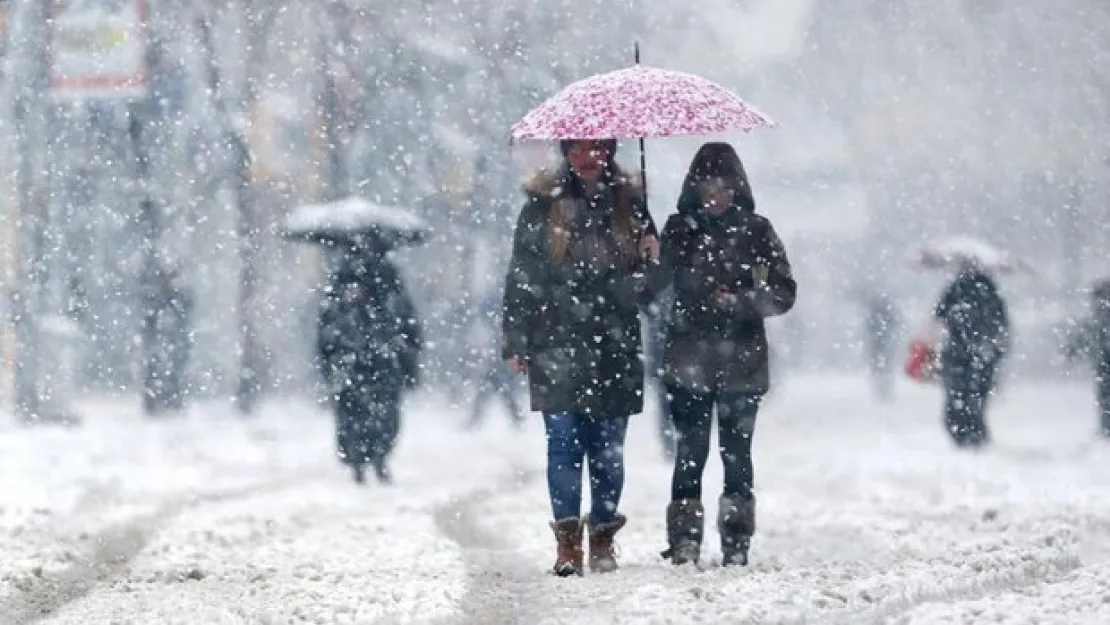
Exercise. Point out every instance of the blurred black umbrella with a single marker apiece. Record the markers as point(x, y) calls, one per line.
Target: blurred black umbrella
point(355, 222)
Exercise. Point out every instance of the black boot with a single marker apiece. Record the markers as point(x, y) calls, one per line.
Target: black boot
point(359, 471)
point(736, 524)
point(381, 470)
point(685, 528)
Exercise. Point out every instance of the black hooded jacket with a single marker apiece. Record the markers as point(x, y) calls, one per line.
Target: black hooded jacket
point(974, 314)
point(368, 332)
point(714, 345)
point(575, 322)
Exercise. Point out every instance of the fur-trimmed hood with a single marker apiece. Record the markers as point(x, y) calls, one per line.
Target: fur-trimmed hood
point(556, 183)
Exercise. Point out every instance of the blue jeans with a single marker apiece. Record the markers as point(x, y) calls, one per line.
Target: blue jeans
point(573, 438)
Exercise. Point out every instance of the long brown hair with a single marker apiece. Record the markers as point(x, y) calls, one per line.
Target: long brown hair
point(626, 230)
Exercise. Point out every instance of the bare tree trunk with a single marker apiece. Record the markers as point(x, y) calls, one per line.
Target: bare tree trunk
point(261, 15)
point(30, 94)
point(259, 18)
point(332, 33)
point(26, 298)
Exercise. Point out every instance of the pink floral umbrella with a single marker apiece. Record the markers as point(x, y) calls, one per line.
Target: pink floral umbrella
point(639, 101)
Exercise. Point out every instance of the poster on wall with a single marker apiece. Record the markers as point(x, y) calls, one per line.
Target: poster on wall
point(98, 49)
point(3, 28)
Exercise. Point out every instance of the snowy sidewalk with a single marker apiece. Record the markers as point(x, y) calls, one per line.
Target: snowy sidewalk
point(215, 519)
point(867, 515)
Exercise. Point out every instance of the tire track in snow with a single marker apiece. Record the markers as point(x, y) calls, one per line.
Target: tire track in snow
point(48, 593)
point(498, 582)
point(116, 547)
point(1028, 570)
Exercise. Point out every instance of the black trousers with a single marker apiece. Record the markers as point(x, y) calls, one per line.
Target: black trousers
point(692, 414)
point(497, 384)
point(881, 362)
point(367, 421)
point(967, 390)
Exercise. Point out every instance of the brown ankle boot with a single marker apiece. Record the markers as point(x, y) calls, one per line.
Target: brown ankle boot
point(603, 556)
point(568, 554)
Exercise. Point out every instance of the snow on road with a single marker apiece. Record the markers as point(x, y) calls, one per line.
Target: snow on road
point(866, 515)
point(218, 520)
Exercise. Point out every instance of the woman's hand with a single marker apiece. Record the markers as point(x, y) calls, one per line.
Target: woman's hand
point(722, 297)
point(517, 365)
point(649, 247)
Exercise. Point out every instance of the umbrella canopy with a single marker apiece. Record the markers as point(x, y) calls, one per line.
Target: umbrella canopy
point(355, 220)
point(639, 101)
point(961, 251)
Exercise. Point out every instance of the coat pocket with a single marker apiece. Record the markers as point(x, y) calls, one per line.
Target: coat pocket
point(690, 362)
point(552, 369)
point(742, 355)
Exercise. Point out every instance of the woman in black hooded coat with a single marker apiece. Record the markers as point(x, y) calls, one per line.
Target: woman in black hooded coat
point(369, 342)
point(729, 272)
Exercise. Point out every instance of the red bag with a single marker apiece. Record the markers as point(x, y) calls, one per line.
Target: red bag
point(922, 364)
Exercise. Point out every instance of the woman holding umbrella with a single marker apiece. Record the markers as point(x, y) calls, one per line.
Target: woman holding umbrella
point(1092, 340)
point(368, 338)
point(976, 329)
point(571, 323)
point(574, 287)
point(977, 326)
point(729, 272)
point(369, 342)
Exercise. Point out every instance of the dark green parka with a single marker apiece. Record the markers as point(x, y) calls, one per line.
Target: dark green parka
point(571, 304)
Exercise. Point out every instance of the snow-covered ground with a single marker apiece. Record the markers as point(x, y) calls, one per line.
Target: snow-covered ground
point(867, 515)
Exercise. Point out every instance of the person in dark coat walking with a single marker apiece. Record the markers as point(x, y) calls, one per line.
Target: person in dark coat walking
point(494, 382)
point(1093, 341)
point(369, 343)
point(571, 321)
point(729, 272)
point(167, 338)
point(977, 328)
point(882, 327)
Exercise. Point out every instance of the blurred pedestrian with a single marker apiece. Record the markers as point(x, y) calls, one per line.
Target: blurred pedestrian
point(167, 335)
point(976, 327)
point(369, 343)
point(493, 381)
point(1092, 340)
point(881, 328)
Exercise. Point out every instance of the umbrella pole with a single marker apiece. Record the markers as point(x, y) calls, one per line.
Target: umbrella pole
point(643, 169)
point(643, 151)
